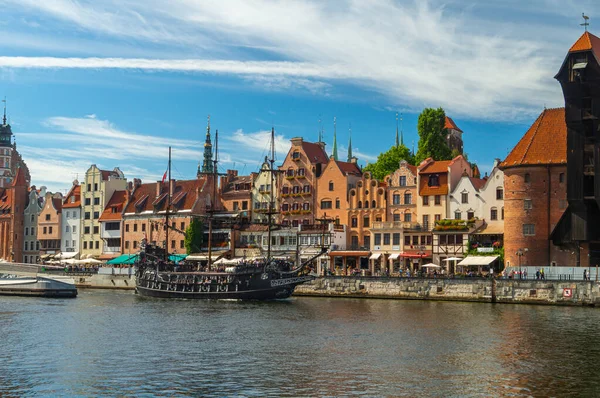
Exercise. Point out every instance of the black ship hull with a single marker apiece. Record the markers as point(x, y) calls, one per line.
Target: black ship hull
point(242, 287)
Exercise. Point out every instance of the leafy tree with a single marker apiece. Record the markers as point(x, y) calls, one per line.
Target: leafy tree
point(432, 138)
point(194, 235)
point(388, 162)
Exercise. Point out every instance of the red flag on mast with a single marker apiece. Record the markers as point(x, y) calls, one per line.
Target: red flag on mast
point(164, 177)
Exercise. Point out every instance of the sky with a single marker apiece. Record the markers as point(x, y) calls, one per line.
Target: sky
point(116, 82)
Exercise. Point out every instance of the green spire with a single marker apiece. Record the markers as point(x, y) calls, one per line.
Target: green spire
point(320, 130)
point(335, 154)
point(397, 136)
point(207, 164)
point(401, 132)
point(350, 146)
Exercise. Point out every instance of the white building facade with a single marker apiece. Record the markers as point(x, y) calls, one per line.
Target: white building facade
point(71, 223)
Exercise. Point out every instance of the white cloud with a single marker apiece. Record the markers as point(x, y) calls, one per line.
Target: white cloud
point(461, 56)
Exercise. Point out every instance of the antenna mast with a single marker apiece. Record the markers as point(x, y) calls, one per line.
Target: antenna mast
point(272, 171)
point(585, 23)
point(213, 199)
point(167, 211)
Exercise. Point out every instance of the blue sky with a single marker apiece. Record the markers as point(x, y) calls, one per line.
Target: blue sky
point(116, 82)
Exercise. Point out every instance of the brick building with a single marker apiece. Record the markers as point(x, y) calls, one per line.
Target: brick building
point(10, 158)
point(368, 204)
point(402, 193)
point(453, 135)
point(236, 194)
point(535, 193)
point(12, 203)
point(50, 225)
point(302, 167)
point(333, 186)
point(144, 214)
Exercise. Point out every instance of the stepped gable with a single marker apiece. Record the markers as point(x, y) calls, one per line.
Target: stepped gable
point(544, 143)
point(75, 192)
point(314, 152)
point(114, 207)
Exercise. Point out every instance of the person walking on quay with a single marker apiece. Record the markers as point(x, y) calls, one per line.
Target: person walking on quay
point(542, 276)
point(537, 274)
point(585, 275)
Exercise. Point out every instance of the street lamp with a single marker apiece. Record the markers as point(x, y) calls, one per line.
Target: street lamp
point(520, 253)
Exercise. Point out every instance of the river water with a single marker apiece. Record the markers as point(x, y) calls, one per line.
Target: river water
point(107, 343)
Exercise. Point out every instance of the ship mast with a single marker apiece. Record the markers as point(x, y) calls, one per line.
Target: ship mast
point(271, 196)
point(212, 200)
point(166, 256)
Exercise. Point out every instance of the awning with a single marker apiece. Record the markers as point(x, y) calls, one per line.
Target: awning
point(66, 255)
point(491, 229)
point(126, 259)
point(197, 257)
point(415, 254)
point(394, 256)
point(478, 260)
point(177, 257)
point(375, 256)
point(349, 253)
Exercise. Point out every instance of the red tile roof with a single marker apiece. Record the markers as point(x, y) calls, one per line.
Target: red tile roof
point(184, 196)
point(5, 201)
point(449, 124)
point(314, 152)
point(114, 207)
point(442, 189)
point(478, 183)
point(75, 192)
point(440, 166)
point(412, 168)
point(544, 143)
point(348, 168)
point(586, 42)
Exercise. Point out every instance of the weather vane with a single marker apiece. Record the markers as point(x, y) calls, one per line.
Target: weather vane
point(585, 23)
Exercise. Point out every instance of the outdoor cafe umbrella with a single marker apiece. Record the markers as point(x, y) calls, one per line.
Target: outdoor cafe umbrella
point(430, 265)
point(455, 259)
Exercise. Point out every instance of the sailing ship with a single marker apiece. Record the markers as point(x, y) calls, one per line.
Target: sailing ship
point(264, 279)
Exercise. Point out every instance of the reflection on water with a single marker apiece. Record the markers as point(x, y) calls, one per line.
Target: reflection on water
point(117, 344)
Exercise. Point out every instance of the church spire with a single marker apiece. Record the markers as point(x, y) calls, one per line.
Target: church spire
point(350, 144)
point(207, 164)
point(320, 130)
point(335, 153)
point(4, 118)
point(397, 135)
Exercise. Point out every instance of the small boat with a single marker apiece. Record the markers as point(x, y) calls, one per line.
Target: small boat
point(38, 286)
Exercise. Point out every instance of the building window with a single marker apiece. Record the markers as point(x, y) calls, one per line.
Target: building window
point(406, 240)
point(96, 229)
point(366, 204)
point(301, 172)
point(471, 215)
point(366, 222)
point(89, 187)
point(337, 203)
point(527, 178)
point(377, 239)
point(97, 244)
point(67, 228)
point(561, 177)
point(182, 226)
point(296, 155)
point(527, 204)
point(47, 217)
point(499, 194)
point(437, 217)
point(457, 215)
point(135, 227)
point(367, 241)
point(88, 201)
point(438, 199)
point(172, 244)
point(402, 181)
point(396, 239)
point(126, 244)
point(85, 245)
point(407, 198)
point(354, 222)
point(86, 215)
point(415, 240)
point(396, 216)
point(528, 229)
point(143, 227)
point(386, 239)
point(359, 204)
point(126, 227)
point(425, 200)
point(86, 230)
point(493, 213)
point(407, 217)
point(96, 201)
point(135, 244)
point(396, 199)
point(245, 205)
point(96, 215)
point(26, 231)
point(464, 198)
point(306, 189)
point(373, 204)
point(326, 204)
point(434, 180)
point(95, 189)
point(502, 211)
point(331, 185)
point(45, 231)
point(49, 230)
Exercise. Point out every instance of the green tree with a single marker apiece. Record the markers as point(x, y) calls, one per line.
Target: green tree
point(194, 235)
point(388, 162)
point(432, 137)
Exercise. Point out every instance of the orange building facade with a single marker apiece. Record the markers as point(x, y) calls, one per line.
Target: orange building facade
point(50, 225)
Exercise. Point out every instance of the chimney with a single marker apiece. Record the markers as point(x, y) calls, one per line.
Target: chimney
point(321, 144)
point(172, 185)
point(354, 160)
point(158, 188)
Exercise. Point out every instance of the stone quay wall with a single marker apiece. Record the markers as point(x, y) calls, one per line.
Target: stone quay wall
point(478, 290)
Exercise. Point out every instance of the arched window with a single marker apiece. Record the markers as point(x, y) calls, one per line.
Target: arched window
point(457, 215)
point(32, 218)
point(499, 193)
point(373, 204)
point(331, 185)
point(527, 178)
point(359, 204)
point(366, 204)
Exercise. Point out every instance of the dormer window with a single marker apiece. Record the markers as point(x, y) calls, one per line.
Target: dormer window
point(296, 155)
point(434, 180)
